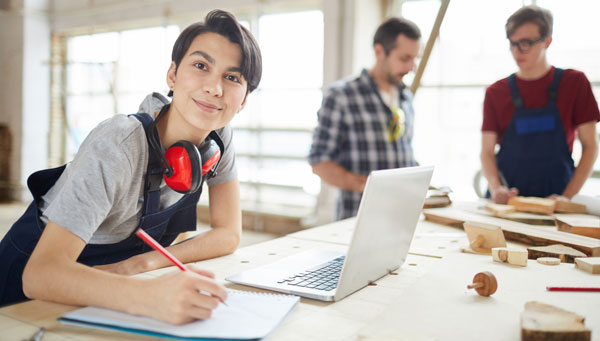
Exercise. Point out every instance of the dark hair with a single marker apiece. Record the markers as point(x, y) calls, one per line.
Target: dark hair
point(530, 14)
point(225, 24)
point(387, 32)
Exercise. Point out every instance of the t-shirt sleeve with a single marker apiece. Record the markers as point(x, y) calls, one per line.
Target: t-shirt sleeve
point(490, 112)
point(586, 107)
point(227, 170)
point(92, 183)
point(329, 133)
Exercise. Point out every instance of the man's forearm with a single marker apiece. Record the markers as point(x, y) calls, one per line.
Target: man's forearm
point(337, 176)
point(582, 171)
point(490, 171)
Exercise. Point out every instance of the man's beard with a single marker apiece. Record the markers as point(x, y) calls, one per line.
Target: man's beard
point(393, 80)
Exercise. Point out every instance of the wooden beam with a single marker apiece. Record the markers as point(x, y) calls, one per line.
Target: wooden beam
point(435, 32)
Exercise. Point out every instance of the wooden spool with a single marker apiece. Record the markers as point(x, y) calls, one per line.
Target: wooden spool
point(484, 283)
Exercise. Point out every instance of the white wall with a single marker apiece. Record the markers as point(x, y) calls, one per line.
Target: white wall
point(11, 81)
point(36, 91)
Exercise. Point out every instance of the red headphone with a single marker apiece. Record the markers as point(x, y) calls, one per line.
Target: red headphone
point(184, 164)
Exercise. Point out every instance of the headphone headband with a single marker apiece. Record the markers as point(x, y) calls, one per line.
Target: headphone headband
point(155, 143)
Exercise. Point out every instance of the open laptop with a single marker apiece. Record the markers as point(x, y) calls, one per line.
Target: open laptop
point(387, 217)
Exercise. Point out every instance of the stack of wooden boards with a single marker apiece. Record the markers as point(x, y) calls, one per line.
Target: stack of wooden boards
point(437, 197)
point(578, 231)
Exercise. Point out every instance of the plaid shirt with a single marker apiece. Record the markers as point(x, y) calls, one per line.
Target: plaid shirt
point(353, 132)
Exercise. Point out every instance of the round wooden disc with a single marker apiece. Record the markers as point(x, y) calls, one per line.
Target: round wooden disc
point(489, 283)
point(548, 260)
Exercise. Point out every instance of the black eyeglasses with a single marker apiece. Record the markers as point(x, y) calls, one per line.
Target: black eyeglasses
point(525, 45)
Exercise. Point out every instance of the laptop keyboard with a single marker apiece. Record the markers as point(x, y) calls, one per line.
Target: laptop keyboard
point(323, 277)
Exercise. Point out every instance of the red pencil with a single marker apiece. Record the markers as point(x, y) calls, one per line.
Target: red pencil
point(156, 246)
point(589, 289)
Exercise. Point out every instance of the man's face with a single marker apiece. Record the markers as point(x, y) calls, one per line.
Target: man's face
point(401, 59)
point(208, 88)
point(531, 49)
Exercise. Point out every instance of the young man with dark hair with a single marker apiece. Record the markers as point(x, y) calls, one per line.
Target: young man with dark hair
point(76, 242)
point(534, 115)
point(366, 122)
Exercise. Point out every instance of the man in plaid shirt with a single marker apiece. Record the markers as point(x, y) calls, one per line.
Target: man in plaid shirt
point(366, 122)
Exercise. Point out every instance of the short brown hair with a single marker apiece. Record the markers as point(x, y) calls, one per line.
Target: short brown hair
point(530, 14)
point(225, 24)
point(387, 32)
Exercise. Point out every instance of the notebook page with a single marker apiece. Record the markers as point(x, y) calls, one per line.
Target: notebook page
point(247, 315)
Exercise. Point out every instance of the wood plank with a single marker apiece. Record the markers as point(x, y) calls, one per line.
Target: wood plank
point(569, 207)
point(528, 234)
point(542, 321)
point(589, 264)
point(499, 209)
point(521, 217)
point(564, 253)
point(533, 204)
point(581, 224)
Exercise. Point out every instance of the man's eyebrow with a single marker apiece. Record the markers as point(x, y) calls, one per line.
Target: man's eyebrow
point(211, 60)
point(208, 57)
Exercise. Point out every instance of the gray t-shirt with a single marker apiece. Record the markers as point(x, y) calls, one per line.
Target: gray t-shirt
point(100, 194)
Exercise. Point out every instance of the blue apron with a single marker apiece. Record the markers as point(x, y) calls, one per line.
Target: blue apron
point(164, 226)
point(534, 155)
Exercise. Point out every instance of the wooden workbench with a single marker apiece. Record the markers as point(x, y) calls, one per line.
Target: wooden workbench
point(426, 299)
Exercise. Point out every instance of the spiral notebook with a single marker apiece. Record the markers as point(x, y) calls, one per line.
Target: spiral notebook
point(247, 316)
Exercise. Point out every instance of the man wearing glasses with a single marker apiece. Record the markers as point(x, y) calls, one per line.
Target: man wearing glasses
point(366, 121)
point(534, 115)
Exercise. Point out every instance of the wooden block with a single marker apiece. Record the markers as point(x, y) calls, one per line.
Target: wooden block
point(499, 209)
point(541, 321)
point(548, 260)
point(510, 256)
point(569, 207)
point(583, 225)
point(533, 204)
point(589, 264)
point(564, 253)
point(483, 237)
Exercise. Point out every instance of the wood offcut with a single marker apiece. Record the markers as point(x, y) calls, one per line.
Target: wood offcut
point(581, 224)
point(510, 256)
point(541, 321)
point(564, 253)
point(589, 264)
point(533, 204)
point(483, 237)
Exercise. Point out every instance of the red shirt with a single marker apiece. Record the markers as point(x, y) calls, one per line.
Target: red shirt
point(575, 102)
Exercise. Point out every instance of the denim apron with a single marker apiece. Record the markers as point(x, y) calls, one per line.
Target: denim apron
point(534, 155)
point(164, 226)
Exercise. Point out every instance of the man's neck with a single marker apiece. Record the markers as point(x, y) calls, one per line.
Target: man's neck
point(535, 72)
point(379, 77)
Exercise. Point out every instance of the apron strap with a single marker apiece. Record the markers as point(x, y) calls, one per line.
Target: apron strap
point(154, 172)
point(514, 92)
point(553, 89)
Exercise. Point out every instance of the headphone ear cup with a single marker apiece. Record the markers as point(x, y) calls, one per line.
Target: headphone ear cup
point(184, 158)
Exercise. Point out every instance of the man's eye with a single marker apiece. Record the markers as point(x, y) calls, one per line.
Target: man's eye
point(232, 78)
point(200, 66)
